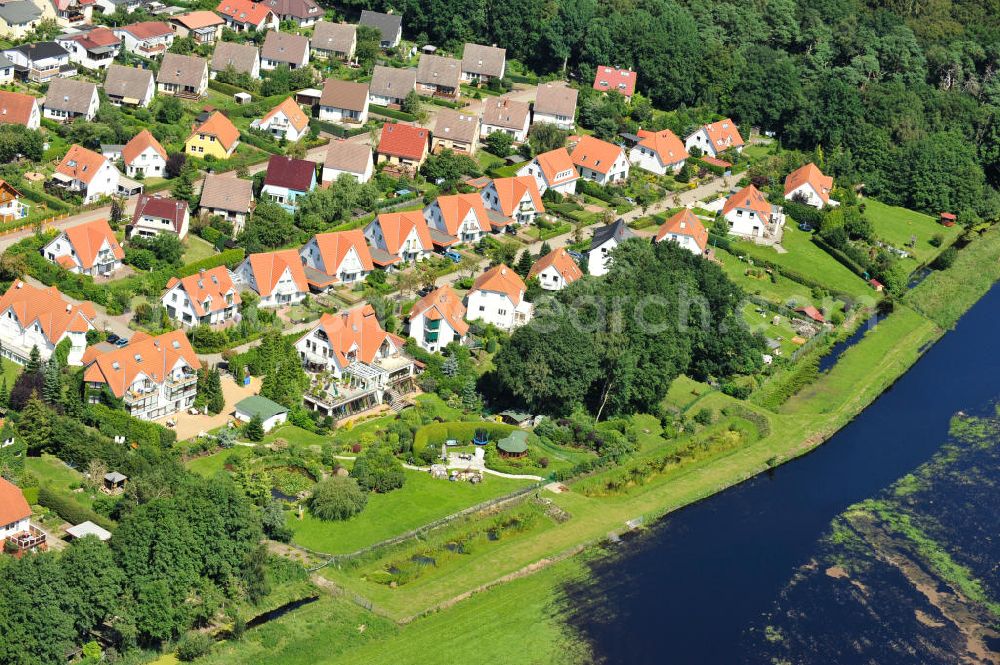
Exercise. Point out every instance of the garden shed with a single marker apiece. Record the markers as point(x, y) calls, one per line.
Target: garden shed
point(271, 413)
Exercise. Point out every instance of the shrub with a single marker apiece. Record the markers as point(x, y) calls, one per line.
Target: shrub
point(378, 471)
point(435, 434)
point(68, 509)
point(192, 646)
point(337, 498)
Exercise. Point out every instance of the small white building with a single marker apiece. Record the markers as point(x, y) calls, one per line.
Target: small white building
point(752, 217)
point(599, 161)
point(206, 298)
point(271, 413)
point(399, 237)
point(277, 277)
point(438, 319)
point(88, 249)
point(808, 185)
point(505, 115)
point(715, 138)
point(497, 297)
point(552, 170)
point(685, 229)
point(606, 239)
point(144, 155)
point(555, 103)
point(353, 159)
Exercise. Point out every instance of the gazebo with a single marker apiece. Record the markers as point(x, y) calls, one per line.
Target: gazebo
point(114, 482)
point(514, 444)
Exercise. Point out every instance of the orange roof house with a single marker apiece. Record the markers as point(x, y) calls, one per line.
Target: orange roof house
point(81, 164)
point(810, 185)
point(14, 509)
point(146, 361)
point(19, 109)
point(715, 137)
point(403, 144)
point(84, 247)
point(42, 318)
point(553, 169)
point(246, 15)
point(277, 277)
point(594, 156)
point(516, 197)
point(685, 229)
point(750, 215)
point(144, 153)
point(497, 297)
point(461, 216)
point(658, 152)
point(351, 336)
point(399, 236)
point(556, 270)
point(438, 319)
point(286, 120)
point(748, 198)
point(338, 257)
point(501, 279)
point(209, 297)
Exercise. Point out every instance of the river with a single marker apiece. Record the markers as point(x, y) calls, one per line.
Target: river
point(690, 589)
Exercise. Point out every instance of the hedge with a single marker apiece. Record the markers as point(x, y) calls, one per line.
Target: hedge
point(225, 88)
point(264, 143)
point(391, 113)
point(69, 509)
point(447, 103)
point(336, 130)
point(435, 434)
point(112, 422)
point(712, 168)
point(521, 78)
point(840, 256)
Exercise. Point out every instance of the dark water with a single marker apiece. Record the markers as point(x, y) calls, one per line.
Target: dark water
point(690, 590)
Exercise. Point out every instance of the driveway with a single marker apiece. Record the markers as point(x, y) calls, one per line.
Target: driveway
point(188, 426)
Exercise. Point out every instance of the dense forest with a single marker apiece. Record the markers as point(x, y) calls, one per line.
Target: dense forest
point(901, 96)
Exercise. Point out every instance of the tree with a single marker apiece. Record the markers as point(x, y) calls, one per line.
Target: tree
point(34, 364)
point(377, 470)
point(52, 384)
point(337, 498)
point(447, 168)
point(271, 226)
point(411, 103)
point(254, 430)
point(368, 47)
point(35, 424)
point(170, 110)
point(524, 264)
point(175, 164)
point(544, 136)
point(183, 187)
point(500, 144)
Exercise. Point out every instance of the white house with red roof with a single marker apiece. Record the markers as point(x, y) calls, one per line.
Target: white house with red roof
point(715, 138)
point(808, 185)
point(658, 152)
point(497, 297)
point(463, 217)
point(284, 121)
point(613, 79)
point(89, 249)
point(552, 170)
point(751, 216)
point(277, 277)
point(438, 319)
point(247, 16)
point(148, 38)
point(556, 270)
point(154, 215)
point(153, 376)
point(94, 49)
point(19, 109)
point(403, 146)
point(685, 229)
point(399, 237)
point(516, 197)
point(206, 298)
point(144, 154)
point(42, 317)
point(87, 173)
point(341, 257)
point(15, 519)
point(602, 162)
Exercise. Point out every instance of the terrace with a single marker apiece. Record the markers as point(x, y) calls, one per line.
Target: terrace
point(362, 386)
point(29, 540)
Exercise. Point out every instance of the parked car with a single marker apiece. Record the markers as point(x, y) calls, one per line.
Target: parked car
point(112, 338)
point(121, 342)
point(424, 290)
point(805, 227)
point(577, 256)
point(454, 256)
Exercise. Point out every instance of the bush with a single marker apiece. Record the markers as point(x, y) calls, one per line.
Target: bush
point(68, 509)
point(112, 422)
point(192, 646)
point(435, 434)
point(946, 258)
point(337, 498)
point(378, 471)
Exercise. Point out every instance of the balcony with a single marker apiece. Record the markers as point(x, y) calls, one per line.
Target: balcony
point(28, 540)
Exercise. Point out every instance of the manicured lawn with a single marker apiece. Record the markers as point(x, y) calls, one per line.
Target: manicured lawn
point(756, 152)
point(898, 226)
point(50, 470)
point(196, 249)
point(779, 290)
point(212, 464)
point(685, 391)
point(421, 500)
point(296, 436)
point(11, 370)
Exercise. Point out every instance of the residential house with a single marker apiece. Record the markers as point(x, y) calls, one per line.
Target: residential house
point(109, 7)
point(685, 229)
point(19, 109)
point(154, 377)
point(270, 413)
point(207, 298)
point(203, 27)
point(19, 18)
point(149, 39)
point(715, 138)
point(282, 48)
point(503, 114)
point(154, 215)
point(284, 121)
point(344, 101)
point(11, 206)
point(277, 277)
point(439, 76)
point(480, 64)
point(92, 49)
point(556, 270)
point(16, 530)
point(183, 76)
point(90, 248)
point(612, 79)
point(86, 173)
point(752, 217)
point(390, 86)
point(438, 319)
point(354, 159)
point(516, 198)
point(605, 240)
point(332, 259)
point(399, 237)
point(552, 170)
point(243, 58)
point(458, 218)
point(129, 86)
point(602, 162)
point(6, 70)
point(808, 185)
point(390, 26)
point(288, 179)
point(73, 13)
point(217, 136)
point(497, 297)
point(555, 103)
point(302, 13)
point(658, 152)
point(247, 15)
point(334, 40)
point(144, 154)
point(32, 316)
point(40, 62)
point(68, 99)
point(455, 131)
point(225, 195)
point(403, 146)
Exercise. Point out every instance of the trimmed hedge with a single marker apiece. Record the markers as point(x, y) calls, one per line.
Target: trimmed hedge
point(112, 422)
point(224, 88)
point(69, 509)
point(840, 256)
point(435, 434)
point(391, 113)
point(336, 130)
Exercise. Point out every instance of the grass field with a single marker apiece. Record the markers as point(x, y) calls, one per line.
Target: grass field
point(898, 225)
point(781, 290)
point(52, 471)
point(210, 465)
point(196, 249)
point(10, 370)
point(762, 323)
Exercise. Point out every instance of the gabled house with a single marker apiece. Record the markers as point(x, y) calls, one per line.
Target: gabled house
point(555, 103)
point(225, 195)
point(16, 530)
point(92, 49)
point(88, 249)
point(715, 138)
point(390, 26)
point(247, 15)
point(183, 76)
point(242, 58)
point(284, 121)
point(332, 259)
point(612, 79)
point(334, 40)
point(497, 297)
point(207, 298)
point(287, 180)
point(73, 13)
point(277, 277)
point(658, 152)
point(11, 206)
point(556, 270)
point(6, 70)
point(203, 27)
point(32, 316)
point(87, 173)
point(390, 86)
point(481, 64)
point(399, 237)
point(40, 62)
point(144, 154)
point(354, 159)
point(503, 114)
point(19, 18)
point(458, 217)
point(439, 76)
point(455, 131)
point(604, 241)
point(153, 376)
point(438, 319)
point(516, 198)
point(282, 48)
point(751, 216)
point(154, 215)
point(68, 99)
point(149, 39)
point(808, 185)
point(403, 146)
point(602, 162)
point(19, 109)
point(129, 86)
point(302, 13)
point(217, 136)
point(552, 170)
point(344, 101)
point(108, 7)
point(685, 229)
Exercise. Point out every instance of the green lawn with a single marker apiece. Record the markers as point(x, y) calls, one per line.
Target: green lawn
point(196, 249)
point(782, 332)
point(779, 290)
point(210, 465)
point(421, 500)
point(898, 226)
point(52, 471)
point(756, 152)
point(11, 370)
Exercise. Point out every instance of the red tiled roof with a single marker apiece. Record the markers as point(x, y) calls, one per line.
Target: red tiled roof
point(397, 226)
point(684, 223)
point(221, 128)
point(809, 174)
point(80, 164)
point(355, 331)
point(199, 19)
point(138, 145)
point(455, 207)
point(501, 279)
point(296, 174)
point(148, 30)
point(244, 11)
point(405, 141)
point(564, 264)
point(334, 247)
point(13, 506)
point(96, 38)
point(812, 313)
point(87, 240)
point(292, 111)
point(665, 144)
point(511, 191)
point(161, 207)
point(554, 162)
point(748, 198)
point(615, 80)
point(49, 307)
point(15, 108)
point(442, 303)
point(595, 154)
point(207, 290)
point(723, 134)
point(152, 357)
point(268, 267)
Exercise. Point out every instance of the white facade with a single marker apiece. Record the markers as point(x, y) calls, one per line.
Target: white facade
point(279, 126)
point(686, 241)
point(330, 174)
point(808, 195)
point(468, 229)
point(103, 183)
point(410, 249)
point(597, 258)
point(648, 159)
point(16, 342)
point(178, 305)
point(337, 114)
point(79, 54)
point(276, 420)
point(350, 270)
point(526, 211)
point(551, 279)
point(60, 115)
point(149, 226)
point(285, 292)
point(701, 140)
point(149, 163)
point(561, 121)
point(566, 188)
point(520, 135)
point(432, 340)
point(105, 262)
point(617, 173)
point(14, 528)
point(497, 308)
point(145, 47)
